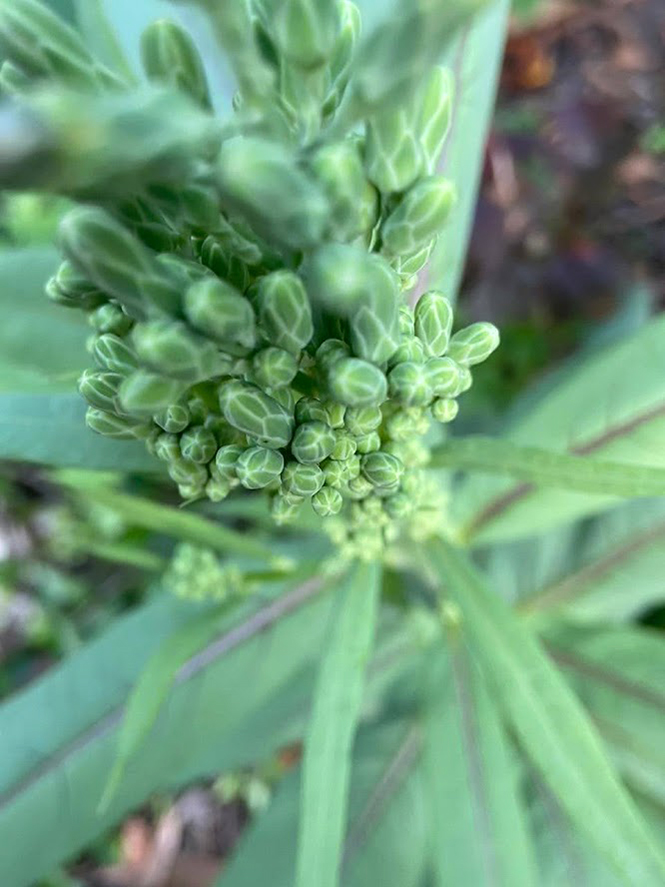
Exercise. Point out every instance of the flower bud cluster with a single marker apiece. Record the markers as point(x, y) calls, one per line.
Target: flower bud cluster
point(247, 286)
point(196, 574)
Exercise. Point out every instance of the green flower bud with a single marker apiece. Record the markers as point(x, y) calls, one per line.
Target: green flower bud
point(44, 46)
point(357, 383)
point(393, 155)
point(198, 444)
point(248, 409)
point(274, 368)
point(312, 442)
point(70, 288)
point(359, 487)
point(474, 343)
point(433, 322)
point(330, 352)
point(436, 113)
point(406, 321)
point(238, 240)
point(418, 217)
point(100, 389)
point(362, 420)
point(335, 473)
point(229, 267)
point(336, 413)
point(169, 348)
point(174, 419)
point(217, 310)
point(170, 58)
point(408, 266)
point(167, 448)
point(465, 380)
point(146, 393)
point(351, 467)
point(184, 471)
point(411, 350)
point(226, 460)
point(407, 423)
point(257, 467)
point(305, 31)
point(310, 409)
point(284, 511)
point(340, 65)
point(444, 376)
point(118, 427)
point(345, 447)
point(302, 480)
point(408, 383)
point(368, 443)
point(327, 501)
point(110, 318)
point(190, 492)
point(114, 260)
point(445, 409)
point(261, 181)
point(399, 506)
point(382, 469)
point(113, 354)
point(342, 278)
point(287, 397)
point(284, 312)
point(338, 166)
point(217, 489)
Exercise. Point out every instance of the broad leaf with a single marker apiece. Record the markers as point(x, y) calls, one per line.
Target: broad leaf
point(471, 782)
point(602, 410)
point(50, 429)
point(475, 59)
point(548, 721)
point(619, 674)
point(337, 701)
point(387, 838)
point(544, 468)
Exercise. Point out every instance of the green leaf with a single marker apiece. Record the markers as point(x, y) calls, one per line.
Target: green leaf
point(548, 721)
point(233, 704)
point(599, 410)
point(100, 36)
point(610, 569)
point(171, 521)
point(387, 839)
point(154, 684)
point(547, 469)
point(618, 675)
point(50, 429)
point(42, 345)
point(327, 760)
point(475, 90)
point(479, 825)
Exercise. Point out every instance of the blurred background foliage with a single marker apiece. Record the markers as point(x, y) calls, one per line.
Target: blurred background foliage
point(567, 252)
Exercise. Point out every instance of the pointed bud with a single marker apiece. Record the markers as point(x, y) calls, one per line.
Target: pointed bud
point(444, 376)
point(118, 427)
point(217, 256)
point(436, 112)
point(114, 354)
point(393, 154)
point(248, 409)
point(474, 344)
point(284, 312)
point(70, 288)
point(433, 322)
point(408, 383)
point(340, 65)
point(258, 467)
point(357, 383)
point(327, 501)
point(418, 217)
point(219, 311)
point(169, 348)
point(174, 419)
point(339, 169)
point(145, 393)
point(110, 318)
point(100, 389)
point(170, 58)
point(305, 31)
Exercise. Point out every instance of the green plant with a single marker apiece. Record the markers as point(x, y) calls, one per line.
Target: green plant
point(445, 620)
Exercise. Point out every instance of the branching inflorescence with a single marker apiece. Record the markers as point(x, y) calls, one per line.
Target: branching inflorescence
point(248, 279)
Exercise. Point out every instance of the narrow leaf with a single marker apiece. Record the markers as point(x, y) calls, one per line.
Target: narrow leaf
point(479, 826)
point(547, 469)
point(327, 761)
point(101, 37)
point(549, 722)
point(171, 521)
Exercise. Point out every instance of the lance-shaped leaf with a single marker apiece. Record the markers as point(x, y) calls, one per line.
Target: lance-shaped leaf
point(479, 829)
point(549, 722)
point(599, 410)
point(337, 701)
point(386, 842)
point(618, 675)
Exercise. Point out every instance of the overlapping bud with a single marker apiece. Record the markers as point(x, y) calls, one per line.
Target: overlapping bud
point(244, 280)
